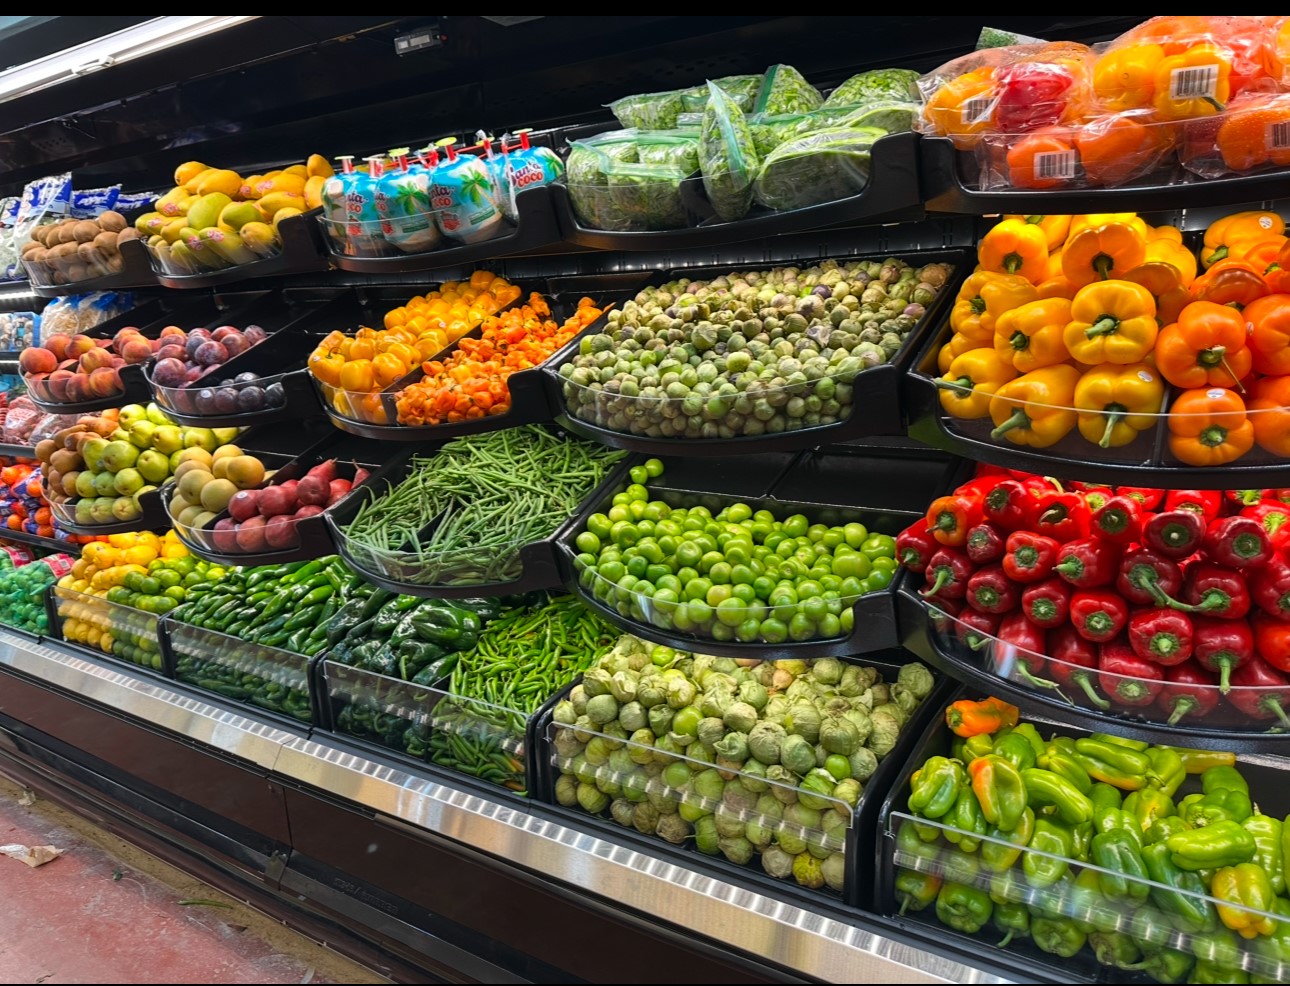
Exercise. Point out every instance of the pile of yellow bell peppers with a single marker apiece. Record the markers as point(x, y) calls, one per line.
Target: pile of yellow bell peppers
point(1083, 323)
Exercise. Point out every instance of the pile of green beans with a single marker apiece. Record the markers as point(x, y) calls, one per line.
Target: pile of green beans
point(486, 496)
point(522, 659)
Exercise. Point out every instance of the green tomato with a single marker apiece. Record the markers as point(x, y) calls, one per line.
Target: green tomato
point(654, 468)
point(813, 607)
point(697, 588)
point(719, 631)
point(718, 594)
point(657, 510)
point(855, 534)
point(797, 525)
point(709, 559)
point(639, 475)
point(829, 625)
point(748, 631)
point(720, 573)
point(816, 532)
point(731, 611)
point(637, 491)
point(587, 541)
point(801, 627)
point(879, 546)
point(737, 512)
point(836, 764)
point(885, 564)
point(774, 631)
point(852, 565)
point(688, 554)
point(637, 566)
point(700, 611)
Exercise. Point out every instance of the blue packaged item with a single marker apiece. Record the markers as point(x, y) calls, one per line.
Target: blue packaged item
point(403, 201)
point(465, 198)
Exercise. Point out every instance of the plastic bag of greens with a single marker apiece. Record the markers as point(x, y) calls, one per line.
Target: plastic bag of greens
point(769, 132)
point(821, 167)
point(648, 110)
point(727, 156)
point(742, 89)
point(608, 194)
point(881, 83)
point(892, 116)
point(676, 149)
point(586, 176)
point(646, 197)
point(784, 90)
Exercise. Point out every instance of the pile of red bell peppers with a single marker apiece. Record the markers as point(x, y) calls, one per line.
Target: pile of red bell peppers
point(1117, 596)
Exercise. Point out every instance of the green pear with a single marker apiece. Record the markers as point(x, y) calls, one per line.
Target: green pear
point(141, 433)
point(153, 465)
point(128, 481)
point(167, 439)
point(200, 438)
point(119, 455)
point(92, 453)
point(104, 484)
point(85, 484)
point(225, 435)
point(156, 415)
point(130, 414)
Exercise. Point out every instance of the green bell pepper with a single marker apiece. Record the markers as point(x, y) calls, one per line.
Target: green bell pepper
point(999, 790)
point(960, 867)
point(1031, 734)
point(1115, 948)
point(1045, 789)
point(1148, 805)
point(1209, 972)
point(1120, 853)
point(1244, 889)
point(1224, 843)
point(1124, 741)
point(1163, 828)
point(1013, 920)
point(1184, 900)
point(1166, 965)
point(924, 856)
point(980, 745)
point(1001, 850)
point(1223, 778)
point(1007, 888)
point(968, 821)
point(1199, 810)
point(1221, 947)
point(1090, 907)
point(916, 891)
point(1081, 840)
point(963, 908)
point(1055, 839)
point(1167, 769)
point(1059, 757)
point(1113, 764)
point(1268, 834)
point(1016, 749)
point(1274, 949)
point(935, 787)
point(1151, 928)
point(1057, 936)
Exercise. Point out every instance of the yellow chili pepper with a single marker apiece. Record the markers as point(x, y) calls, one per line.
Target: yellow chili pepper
point(1055, 228)
point(1195, 82)
point(1111, 322)
point(971, 380)
point(1102, 253)
point(1031, 336)
point(1002, 294)
point(963, 108)
point(1015, 247)
point(957, 346)
point(1176, 255)
point(1236, 228)
point(965, 316)
point(1124, 78)
point(1116, 402)
point(1036, 409)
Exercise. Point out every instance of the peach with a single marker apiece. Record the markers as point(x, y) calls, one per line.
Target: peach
point(58, 382)
point(94, 359)
point(174, 330)
point(136, 350)
point(78, 345)
point(78, 388)
point(34, 359)
point(123, 336)
point(104, 382)
point(57, 344)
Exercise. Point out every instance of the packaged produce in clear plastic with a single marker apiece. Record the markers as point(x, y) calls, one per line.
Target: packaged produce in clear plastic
point(785, 90)
point(630, 181)
point(727, 156)
point(898, 84)
point(817, 168)
point(1251, 135)
point(649, 110)
point(742, 89)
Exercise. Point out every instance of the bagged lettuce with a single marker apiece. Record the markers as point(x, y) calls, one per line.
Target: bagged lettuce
point(649, 110)
point(785, 90)
point(742, 89)
point(727, 156)
point(886, 115)
point(630, 181)
point(900, 84)
point(646, 197)
point(820, 167)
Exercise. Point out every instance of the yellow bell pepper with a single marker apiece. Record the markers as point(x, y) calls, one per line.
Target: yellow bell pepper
point(957, 346)
point(1111, 322)
point(1179, 257)
point(1101, 253)
point(965, 316)
point(1125, 78)
point(1195, 82)
point(963, 108)
point(1164, 281)
point(1036, 409)
point(1093, 220)
point(1054, 268)
point(1031, 336)
point(1116, 402)
point(1055, 228)
point(971, 380)
point(1164, 233)
point(1014, 246)
point(1239, 227)
point(1002, 294)
point(357, 377)
point(1057, 287)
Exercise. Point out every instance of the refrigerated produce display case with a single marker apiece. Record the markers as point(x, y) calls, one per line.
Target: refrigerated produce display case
point(789, 512)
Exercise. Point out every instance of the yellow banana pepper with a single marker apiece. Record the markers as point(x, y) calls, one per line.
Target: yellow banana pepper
point(1116, 402)
point(1125, 78)
point(1111, 322)
point(1195, 82)
point(1036, 409)
point(965, 316)
point(1015, 246)
point(1103, 252)
point(1237, 228)
point(1055, 228)
point(970, 382)
point(1002, 294)
point(1031, 336)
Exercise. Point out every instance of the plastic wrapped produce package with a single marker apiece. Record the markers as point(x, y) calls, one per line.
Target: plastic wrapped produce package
point(817, 168)
point(630, 181)
point(785, 90)
point(898, 84)
point(727, 156)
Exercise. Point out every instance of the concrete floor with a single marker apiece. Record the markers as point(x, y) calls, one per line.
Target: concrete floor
point(107, 912)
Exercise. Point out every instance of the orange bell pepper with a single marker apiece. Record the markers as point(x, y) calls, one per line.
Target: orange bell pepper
point(963, 108)
point(1268, 322)
point(1043, 159)
point(1103, 253)
point(1125, 78)
point(1269, 411)
point(1209, 427)
point(1030, 336)
point(1196, 82)
point(1167, 251)
point(1165, 284)
point(1093, 220)
point(1236, 228)
point(1254, 133)
point(1015, 247)
point(1230, 282)
point(326, 366)
point(1116, 149)
point(1055, 229)
point(1206, 347)
point(1260, 254)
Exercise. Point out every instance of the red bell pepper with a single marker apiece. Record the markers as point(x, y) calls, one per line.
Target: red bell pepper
point(1098, 615)
point(977, 629)
point(1149, 498)
point(1237, 542)
point(1189, 690)
point(978, 486)
point(1271, 640)
point(1047, 603)
point(1021, 650)
point(1174, 533)
point(949, 518)
point(1088, 563)
point(1029, 557)
point(1071, 660)
point(915, 547)
point(1207, 503)
point(1222, 646)
point(984, 543)
point(943, 613)
point(1010, 505)
point(1127, 678)
point(1118, 520)
point(1270, 588)
point(1031, 95)
point(1243, 498)
point(989, 590)
point(947, 575)
point(1261, 691)
point(1160, 634)
point(1062, 516)
point(1097, 496)
point(1146, 576)
point(1216, 591)
point(1274, 517)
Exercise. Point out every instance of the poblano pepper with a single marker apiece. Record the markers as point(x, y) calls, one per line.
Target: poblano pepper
point(963, 908)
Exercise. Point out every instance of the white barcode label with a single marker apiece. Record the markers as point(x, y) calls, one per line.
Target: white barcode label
point(977, 110)
point(1197, 82)
point(1279, 136)
point(1055, 164)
